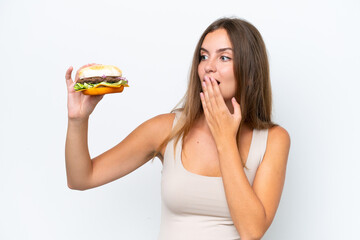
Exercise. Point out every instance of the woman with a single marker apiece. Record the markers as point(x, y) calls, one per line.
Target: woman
point(224, 161)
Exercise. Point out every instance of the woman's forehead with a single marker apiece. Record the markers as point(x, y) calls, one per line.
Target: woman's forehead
point(217, 39)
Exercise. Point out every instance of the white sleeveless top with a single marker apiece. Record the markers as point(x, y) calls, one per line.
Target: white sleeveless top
point(193, 206)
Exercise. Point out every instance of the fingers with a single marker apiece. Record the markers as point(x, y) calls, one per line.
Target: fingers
point(213, 100)
point(206, 96)
point(212, 94)
point(202, 97)
point(68, 73)
point(205, 107)
point(237, 108)
point(218, 99)
point(95, 99)
point(68, 76)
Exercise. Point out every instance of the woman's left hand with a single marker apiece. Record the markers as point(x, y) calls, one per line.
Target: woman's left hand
point(223, 125)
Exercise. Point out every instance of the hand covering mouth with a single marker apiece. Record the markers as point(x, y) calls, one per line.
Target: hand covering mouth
point(215, 80)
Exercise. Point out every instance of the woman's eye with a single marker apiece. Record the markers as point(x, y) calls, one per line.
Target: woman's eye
point(225, 58)
point(203, 57)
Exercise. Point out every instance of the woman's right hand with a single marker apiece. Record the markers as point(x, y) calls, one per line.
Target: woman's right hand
point(80, 106)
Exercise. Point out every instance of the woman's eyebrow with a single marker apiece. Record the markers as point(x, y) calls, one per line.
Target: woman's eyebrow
point(204, 50)
point(223, 49)
point(217, 51)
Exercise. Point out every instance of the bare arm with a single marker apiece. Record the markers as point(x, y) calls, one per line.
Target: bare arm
point(131, 153)
point(77, 157)
point(135, 150)
point(252, 208)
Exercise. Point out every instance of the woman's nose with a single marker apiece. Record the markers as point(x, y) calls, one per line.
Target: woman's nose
point(210, 66)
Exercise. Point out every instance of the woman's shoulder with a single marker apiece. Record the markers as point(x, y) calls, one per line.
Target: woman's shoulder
point(162, 120)
point(278, 134)
point(278, 143)
point(156, 129)
point(166, 119)
point(274, 133)
point(277, 148)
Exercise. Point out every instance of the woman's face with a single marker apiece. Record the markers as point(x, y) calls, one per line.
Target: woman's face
point(217, 61)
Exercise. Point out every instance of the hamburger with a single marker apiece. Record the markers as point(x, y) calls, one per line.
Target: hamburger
point(100, 79)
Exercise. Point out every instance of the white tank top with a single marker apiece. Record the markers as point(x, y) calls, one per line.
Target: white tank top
point(193, 206)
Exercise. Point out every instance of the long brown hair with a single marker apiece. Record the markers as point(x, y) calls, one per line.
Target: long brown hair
point(251, 70)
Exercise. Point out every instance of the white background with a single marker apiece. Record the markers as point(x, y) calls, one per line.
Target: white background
point(314, 58)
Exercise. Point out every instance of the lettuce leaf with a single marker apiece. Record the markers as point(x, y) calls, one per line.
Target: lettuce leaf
point(83, 86)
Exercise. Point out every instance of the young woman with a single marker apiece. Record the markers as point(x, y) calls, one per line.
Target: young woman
point(224, 161)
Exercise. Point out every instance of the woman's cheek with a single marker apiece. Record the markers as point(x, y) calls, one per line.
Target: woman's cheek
point(227, 91)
